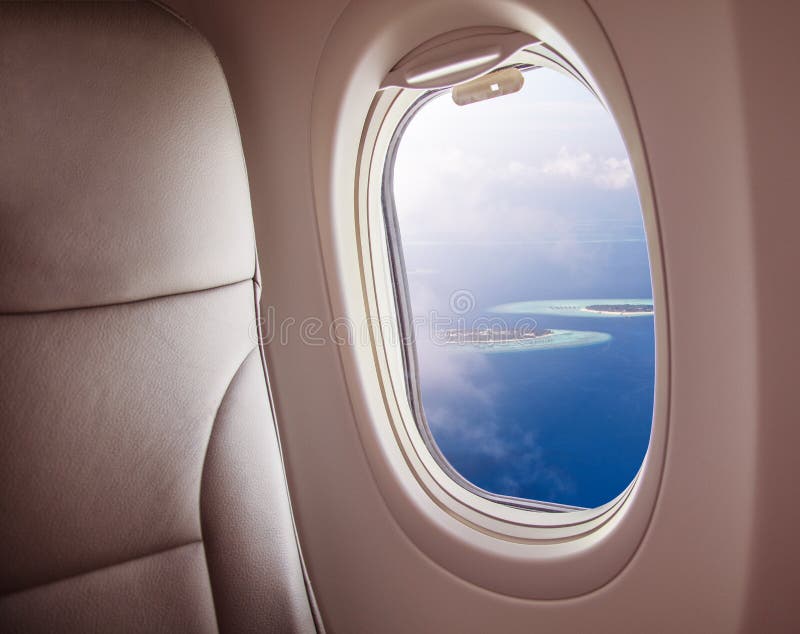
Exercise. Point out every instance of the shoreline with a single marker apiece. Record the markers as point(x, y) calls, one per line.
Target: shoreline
point(555, 339)
point(577, 308)
point(619, 313)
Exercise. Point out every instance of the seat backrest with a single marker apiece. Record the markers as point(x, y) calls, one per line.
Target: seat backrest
point(141, 483)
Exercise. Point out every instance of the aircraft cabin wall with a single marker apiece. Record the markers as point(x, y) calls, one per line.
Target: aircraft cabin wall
point(715, 90)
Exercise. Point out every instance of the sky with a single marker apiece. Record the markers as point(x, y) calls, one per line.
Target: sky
point(524, 197)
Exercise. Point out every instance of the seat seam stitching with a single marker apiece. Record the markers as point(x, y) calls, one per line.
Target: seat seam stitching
point(155, 553)
point(48, 311)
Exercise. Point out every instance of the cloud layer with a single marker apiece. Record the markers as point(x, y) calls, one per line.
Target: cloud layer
point(602, 172)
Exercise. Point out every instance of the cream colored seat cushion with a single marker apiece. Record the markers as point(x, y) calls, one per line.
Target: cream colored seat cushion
point(141, 485)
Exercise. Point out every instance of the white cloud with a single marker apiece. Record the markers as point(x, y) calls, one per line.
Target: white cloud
point(465, 418)
point(451, 191)
point(518, 457)
point(603, 172)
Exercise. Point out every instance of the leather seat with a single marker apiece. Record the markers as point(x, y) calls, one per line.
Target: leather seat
point(141, 483)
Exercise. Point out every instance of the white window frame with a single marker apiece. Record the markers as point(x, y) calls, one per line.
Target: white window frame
point(516, 551)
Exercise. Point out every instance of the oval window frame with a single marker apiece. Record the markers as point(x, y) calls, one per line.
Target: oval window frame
point(514, 551)
point(396, 117)
point(527, 59)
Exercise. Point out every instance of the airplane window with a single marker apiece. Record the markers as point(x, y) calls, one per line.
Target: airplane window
point(523, 280)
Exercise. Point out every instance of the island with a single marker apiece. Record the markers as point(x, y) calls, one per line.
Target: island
point(491, 336)
point(592, 308)
point(512, 340)
point(620, 309)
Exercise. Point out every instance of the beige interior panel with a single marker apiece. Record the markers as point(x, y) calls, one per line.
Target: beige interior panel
point(714, 89)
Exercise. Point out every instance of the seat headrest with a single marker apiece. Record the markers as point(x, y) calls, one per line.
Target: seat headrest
point(121, 169)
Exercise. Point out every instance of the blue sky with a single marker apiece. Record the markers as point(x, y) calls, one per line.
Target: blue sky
point(523, 197)
point(544, 168)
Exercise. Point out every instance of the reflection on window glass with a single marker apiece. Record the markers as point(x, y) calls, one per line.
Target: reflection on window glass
point(529, 284)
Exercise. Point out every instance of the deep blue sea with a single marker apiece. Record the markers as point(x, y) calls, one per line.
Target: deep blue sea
point(568, 425)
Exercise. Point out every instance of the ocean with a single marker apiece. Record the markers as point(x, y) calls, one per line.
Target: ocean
point(567, 425)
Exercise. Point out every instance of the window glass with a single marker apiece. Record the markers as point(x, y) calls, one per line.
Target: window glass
point(529, 285)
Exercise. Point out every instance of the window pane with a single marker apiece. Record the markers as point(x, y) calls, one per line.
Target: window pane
point(529, 282)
